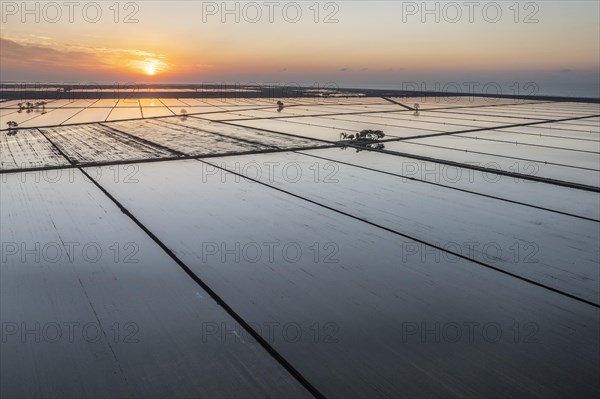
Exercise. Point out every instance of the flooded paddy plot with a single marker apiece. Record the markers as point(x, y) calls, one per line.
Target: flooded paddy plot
point(156, 111)
point(213, 102)
point(173, 102)
point(351, 109)
point(183, 139)
point(150, 102)
point(392, 128)
point(553, 107)
point(383, 122)
point(123, 113)
point(28, 149)
point(321, 130)
point(483, 113)
point(307, 111)
point(226, 104)
point(81, 103)
point(395, 124)
point(575, 127)
point(22, 117)
point(398, 130)
point(244, 107)
point(261, 101)
point(276, 140)
point(13, 104)
point(542, 131)
point(105, 103)
point(97, 143)
point(257, 113)
point(363, 108)
point(221, 116)
point(129, 103)
point(562, 199)
point(545, 114)
point(199, 111)
point(8, 111)
point(552, 156)
point(51, 104)
point(594, 121)
point(524, 113)
point(89, 115)
point(297, 129)
point(52, 118)
point(201, 102)
point(499, 162)
point(447, 117)
point(318, 109)
point(553, 249)
point(366, 287)
point(459, 115)
point(505, 136)
point(110, 306)
point(451, 101)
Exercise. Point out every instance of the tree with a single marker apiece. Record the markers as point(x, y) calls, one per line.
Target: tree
point(416, 107)
point(369, 134)
point(12, 128)
point(184, 115)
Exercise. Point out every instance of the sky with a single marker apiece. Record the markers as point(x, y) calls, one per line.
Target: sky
point(550, 47)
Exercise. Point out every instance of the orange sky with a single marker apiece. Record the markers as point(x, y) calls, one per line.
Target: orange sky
point(186, 41)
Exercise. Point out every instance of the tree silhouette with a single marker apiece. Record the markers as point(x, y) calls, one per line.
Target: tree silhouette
point(346, 136)
point(368, 134)
point(365, 146)
point(184, 115)
point(12, 128)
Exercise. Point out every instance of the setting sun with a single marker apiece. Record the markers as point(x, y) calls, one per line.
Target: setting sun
point(149, 66)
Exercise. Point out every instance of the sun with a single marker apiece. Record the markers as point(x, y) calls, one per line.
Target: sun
point(150, 66)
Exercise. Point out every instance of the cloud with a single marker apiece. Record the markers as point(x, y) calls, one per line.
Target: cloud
point(41, 52)
point(567, 70)
point(345, 69)
point(12, 52)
